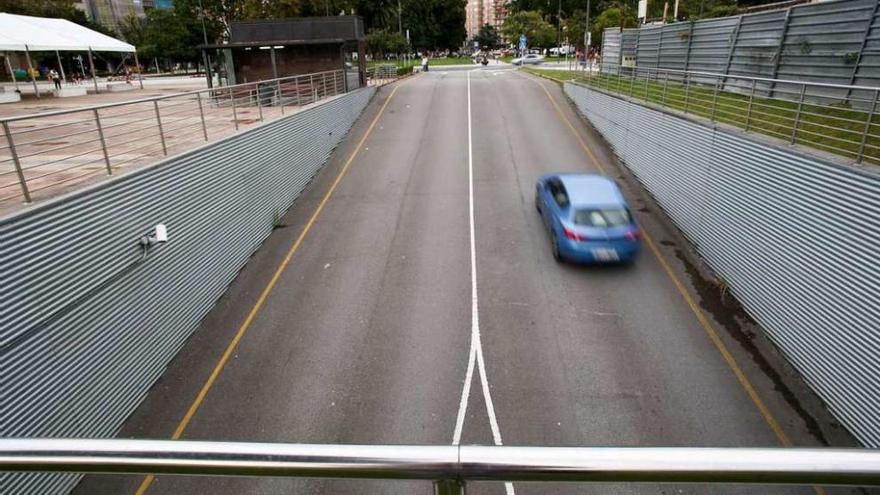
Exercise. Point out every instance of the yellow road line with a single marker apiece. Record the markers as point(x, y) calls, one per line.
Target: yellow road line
point(700, 315)
point(194, 407)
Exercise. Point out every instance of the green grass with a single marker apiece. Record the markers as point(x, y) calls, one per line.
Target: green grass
point(451, 61)
point(395, 63)
point(556, 75)
point(833, 127)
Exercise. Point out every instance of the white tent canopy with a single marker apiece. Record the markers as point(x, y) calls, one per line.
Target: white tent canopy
point(20, 32)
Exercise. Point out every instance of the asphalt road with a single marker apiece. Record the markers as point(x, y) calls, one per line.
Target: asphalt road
point(367, 337)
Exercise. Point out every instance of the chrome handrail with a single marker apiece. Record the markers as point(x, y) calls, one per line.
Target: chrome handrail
point(447, 465)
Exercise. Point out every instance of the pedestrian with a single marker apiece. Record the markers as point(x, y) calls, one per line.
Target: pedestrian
point(56, 78)
point(425, 63)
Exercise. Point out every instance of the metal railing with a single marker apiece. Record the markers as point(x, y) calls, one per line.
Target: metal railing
point(449, 467)
point(46, 153)
point(385, 73)
point(838, 119)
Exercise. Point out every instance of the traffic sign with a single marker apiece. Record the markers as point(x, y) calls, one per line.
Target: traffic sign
point(522, 42)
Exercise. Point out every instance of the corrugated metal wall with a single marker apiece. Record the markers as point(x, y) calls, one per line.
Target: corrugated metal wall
point(797, 240)
point(89, 323)
point(835, 42)
point(611, 50)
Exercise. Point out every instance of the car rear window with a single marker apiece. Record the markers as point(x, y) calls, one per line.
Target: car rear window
point(602, 217)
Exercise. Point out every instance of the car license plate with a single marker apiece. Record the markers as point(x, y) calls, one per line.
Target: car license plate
point(605, 254)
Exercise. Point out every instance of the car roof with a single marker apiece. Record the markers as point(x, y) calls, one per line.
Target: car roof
point(591, 190)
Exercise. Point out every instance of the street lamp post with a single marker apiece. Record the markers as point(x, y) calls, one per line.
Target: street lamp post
point(558, 26)
point(587, 39)
point(205, 59)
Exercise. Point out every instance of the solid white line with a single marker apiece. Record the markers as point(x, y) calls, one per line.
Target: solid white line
point(465, 393)
point(476, 350)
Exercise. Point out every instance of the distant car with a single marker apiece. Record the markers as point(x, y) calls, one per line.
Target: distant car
point(587, 218)
point(530, 59)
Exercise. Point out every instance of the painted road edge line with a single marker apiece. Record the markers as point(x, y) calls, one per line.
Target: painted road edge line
point(233, 344)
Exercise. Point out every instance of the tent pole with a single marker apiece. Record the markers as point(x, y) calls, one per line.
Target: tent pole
point(11, 72)
point(27, 54)
point(60, 67)
point(138, 66)
point(92, 68)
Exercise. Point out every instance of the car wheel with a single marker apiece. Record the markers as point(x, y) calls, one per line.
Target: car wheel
point(554, 247)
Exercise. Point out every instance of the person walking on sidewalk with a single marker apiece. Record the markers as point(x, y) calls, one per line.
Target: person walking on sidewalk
point(55, 78)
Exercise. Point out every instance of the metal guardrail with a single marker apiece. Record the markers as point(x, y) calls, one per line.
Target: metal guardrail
point(449, 467)
point(838, 119)
point(51, 150)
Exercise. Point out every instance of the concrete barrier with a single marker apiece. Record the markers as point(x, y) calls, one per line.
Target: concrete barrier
point(116, 87)
point(9, 96)
point(69, 91)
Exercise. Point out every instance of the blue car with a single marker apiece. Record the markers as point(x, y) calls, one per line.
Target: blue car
point(588, 219)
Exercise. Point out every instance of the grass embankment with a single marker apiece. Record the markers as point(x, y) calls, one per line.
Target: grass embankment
point(396, 63)
point(833, 127)
point(439, 61)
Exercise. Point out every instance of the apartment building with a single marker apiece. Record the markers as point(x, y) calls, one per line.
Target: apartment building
point(480, 12)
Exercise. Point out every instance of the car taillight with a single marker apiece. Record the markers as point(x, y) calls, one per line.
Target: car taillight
point(633, 235)
point(570, 234)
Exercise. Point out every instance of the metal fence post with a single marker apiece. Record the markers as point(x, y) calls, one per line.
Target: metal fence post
point(734, 38)
point(751, 99)
point(687, 90)
point(647, 79)
point(665, 83)
point(202, 115)
point(779, 50)
point(234, 113)
point(797, 116)
point(159, 121)
point(15, 160)
point(103, 142)
point(313, 88)
point(855, 71)
point(449, 487)
point(632, 81)
point(687, 53)
point(259, 100)
point(280, 97)
point(865, 133)
point(715, 99)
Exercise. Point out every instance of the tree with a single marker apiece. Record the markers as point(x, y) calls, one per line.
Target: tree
point(133, 29)
point(538, 31)
point(383, 41)
point(488, 37)
point(171, 36)
point(574, 28)
point(435, 24)
point(618, 15)
point(378, 13)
